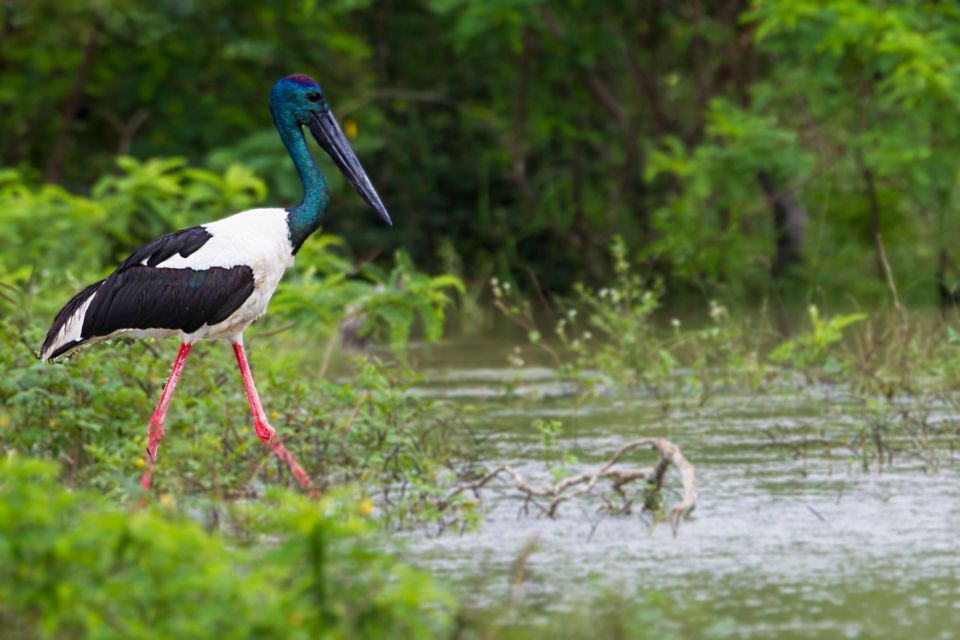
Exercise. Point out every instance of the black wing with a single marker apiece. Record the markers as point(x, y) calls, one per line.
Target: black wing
point(141, 295)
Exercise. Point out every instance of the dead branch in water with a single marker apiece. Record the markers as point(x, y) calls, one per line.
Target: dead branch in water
point(586, 482)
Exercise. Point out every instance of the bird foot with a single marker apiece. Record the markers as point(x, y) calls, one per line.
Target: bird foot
point(265, 432)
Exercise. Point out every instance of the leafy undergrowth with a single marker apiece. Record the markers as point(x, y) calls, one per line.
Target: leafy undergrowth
point(74, 565)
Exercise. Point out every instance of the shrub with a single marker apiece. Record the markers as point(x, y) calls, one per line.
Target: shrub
point(74, 566)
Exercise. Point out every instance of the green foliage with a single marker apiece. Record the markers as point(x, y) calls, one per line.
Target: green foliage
point(895, 366)
point(701, 226)
point(382, 304)
point(74, 566)
point(41, 226)
point(403, 295)
point(558, 458)
point(878, 82)
point(149, 198)
point(625, 350)
point(526, 134)
point(813, 349)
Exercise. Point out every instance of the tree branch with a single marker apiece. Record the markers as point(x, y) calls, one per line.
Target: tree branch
point(586, 482)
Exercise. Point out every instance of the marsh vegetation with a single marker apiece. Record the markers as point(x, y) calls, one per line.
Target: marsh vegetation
point(726, 226)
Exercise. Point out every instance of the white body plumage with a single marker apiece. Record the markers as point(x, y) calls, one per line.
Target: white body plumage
point(257, 238)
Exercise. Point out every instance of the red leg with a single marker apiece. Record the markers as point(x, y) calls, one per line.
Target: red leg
point(155, 432)
point(264, 431)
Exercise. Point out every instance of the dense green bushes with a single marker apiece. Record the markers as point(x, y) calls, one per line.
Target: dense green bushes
point(46, 228)
point(742, 149)
point(72, 565)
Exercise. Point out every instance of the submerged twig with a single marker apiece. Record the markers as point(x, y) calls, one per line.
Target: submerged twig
point(586, 482)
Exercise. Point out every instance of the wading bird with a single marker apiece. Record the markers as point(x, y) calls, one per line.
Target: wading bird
point(213, 280)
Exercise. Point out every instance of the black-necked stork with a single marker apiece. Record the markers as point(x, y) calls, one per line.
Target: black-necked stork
point(213, 280)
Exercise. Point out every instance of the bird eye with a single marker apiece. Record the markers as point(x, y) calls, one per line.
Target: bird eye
point(314, 96)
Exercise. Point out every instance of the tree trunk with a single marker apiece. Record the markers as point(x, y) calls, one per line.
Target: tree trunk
point(873, 222)
point(789, 223)
point(947, 296)
point(59, 153)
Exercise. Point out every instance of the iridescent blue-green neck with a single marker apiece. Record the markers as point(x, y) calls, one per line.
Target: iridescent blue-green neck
point(304, 218)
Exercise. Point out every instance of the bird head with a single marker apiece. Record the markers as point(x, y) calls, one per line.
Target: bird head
point(303, 99)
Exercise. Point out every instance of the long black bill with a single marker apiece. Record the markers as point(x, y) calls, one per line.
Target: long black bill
point(326, 130)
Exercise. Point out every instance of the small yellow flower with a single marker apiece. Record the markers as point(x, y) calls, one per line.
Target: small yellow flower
point(166, 500)
point(274, 415)
point(4, 421)
point(365, 507)
point(351, 129)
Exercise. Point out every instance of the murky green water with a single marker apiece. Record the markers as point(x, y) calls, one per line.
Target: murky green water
point(785, 546)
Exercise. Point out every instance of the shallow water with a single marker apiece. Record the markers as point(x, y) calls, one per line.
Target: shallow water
point(785, 546)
